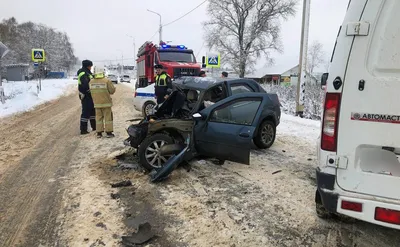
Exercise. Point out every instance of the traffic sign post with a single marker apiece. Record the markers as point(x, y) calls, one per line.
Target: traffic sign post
point(39, 56)
point(213, 60)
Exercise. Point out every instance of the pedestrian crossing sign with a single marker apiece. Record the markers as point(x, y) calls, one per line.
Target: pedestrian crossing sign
point(38, 55)
point(213, 60)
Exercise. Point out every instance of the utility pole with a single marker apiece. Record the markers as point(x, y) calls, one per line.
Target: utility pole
point(134, 45)
point(301, 83)
point(160, 30)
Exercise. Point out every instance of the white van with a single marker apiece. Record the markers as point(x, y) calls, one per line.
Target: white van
point(358, 174)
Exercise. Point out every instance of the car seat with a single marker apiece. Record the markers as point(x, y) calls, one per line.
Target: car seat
point(192, 97)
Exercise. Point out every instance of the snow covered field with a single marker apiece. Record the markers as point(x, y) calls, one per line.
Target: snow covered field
point(22, 96)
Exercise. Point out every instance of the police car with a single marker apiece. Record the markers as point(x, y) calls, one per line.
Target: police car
point(144, 99)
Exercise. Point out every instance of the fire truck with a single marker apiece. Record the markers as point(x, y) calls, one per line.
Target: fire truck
point(177, 61)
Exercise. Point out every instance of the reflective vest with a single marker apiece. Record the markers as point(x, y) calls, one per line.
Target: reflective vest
point(81, 74)
point(161, 80)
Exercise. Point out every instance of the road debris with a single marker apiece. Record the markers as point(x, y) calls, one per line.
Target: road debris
point(275, 172)
point(115, 196)
point(143, 235)
point(125, 183)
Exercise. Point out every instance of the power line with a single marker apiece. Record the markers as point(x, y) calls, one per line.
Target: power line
point(185, 14)
point(154, 34)
point(197, 55)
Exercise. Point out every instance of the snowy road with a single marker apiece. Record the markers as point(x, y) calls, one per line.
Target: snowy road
point(55, 190)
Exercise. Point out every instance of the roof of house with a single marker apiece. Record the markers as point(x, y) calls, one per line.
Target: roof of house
point(273, 70)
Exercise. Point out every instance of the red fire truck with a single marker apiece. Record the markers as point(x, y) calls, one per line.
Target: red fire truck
point(177, 61)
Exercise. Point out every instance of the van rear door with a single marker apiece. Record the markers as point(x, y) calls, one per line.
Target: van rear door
point(369, 120)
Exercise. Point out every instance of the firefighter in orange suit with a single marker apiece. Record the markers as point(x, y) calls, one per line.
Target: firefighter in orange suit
point(101, 89)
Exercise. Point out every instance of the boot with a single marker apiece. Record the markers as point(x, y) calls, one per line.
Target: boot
point(84, 126)
point(99, 134)
point(93, 124)
point(110, 135)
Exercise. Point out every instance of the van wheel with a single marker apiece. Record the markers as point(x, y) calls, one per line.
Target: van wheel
point(320, 209)
point(149, 151)
point(147, 108)
point(266, 135)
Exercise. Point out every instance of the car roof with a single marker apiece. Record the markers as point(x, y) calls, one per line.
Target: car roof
point(201, 83)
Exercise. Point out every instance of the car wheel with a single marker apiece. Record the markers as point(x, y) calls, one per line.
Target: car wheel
point(147, 108)
point(266, 135)
point(149, 151)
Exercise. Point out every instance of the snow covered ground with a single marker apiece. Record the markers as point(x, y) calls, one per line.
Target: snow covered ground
point(307, 129)
point(22, 96)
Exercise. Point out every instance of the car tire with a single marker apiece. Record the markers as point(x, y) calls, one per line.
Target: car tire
point(266, 135)
point(146, 107)
point(148, 151)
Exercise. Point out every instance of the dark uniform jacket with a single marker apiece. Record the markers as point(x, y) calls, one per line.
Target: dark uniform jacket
point(163, 84)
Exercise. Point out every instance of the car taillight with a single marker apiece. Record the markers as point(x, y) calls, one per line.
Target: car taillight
point(135, 94)
point(330, 122)
point(387, 215)
point(352, 206)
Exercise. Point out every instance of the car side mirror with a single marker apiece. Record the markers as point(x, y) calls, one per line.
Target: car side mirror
point(324, 79)
point(197, 116)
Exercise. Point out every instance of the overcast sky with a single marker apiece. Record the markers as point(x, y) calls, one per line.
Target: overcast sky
point(98, 28)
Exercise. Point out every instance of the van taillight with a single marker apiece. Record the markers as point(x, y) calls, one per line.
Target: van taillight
point(387, 215)
point(352, 206)
point(330, 122)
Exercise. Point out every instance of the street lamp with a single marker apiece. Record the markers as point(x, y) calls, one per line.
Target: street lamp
point(160, 32)
point(134, 45)
point(122, 60)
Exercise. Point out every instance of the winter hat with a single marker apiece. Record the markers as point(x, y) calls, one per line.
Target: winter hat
point(225, 74)
point(87, 63)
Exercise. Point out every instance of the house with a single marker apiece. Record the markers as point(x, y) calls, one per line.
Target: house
point(270, 75)
point(17, 72)
point(279, 75)
point(290, 77)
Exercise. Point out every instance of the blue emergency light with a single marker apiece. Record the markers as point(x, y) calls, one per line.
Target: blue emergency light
point(173, 46)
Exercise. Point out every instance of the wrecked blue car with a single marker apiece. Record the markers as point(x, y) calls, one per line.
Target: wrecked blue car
point(216, 118)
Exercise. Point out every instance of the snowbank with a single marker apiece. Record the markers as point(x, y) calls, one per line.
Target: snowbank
point(306, 129)
point(22, 96)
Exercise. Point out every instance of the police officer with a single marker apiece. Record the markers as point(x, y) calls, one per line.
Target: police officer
point(163, 84)
point(101, 88)
point(88, 112)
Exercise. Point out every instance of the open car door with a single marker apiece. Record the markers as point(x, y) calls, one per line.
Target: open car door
point(226, 129)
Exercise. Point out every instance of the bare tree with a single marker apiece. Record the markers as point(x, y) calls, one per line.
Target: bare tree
point(21, 38)
point(315, 56)
point(244, 30)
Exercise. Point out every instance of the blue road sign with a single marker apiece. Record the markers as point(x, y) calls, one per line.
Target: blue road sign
point(38, 55)
point(213, 60)
point(35, 64)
